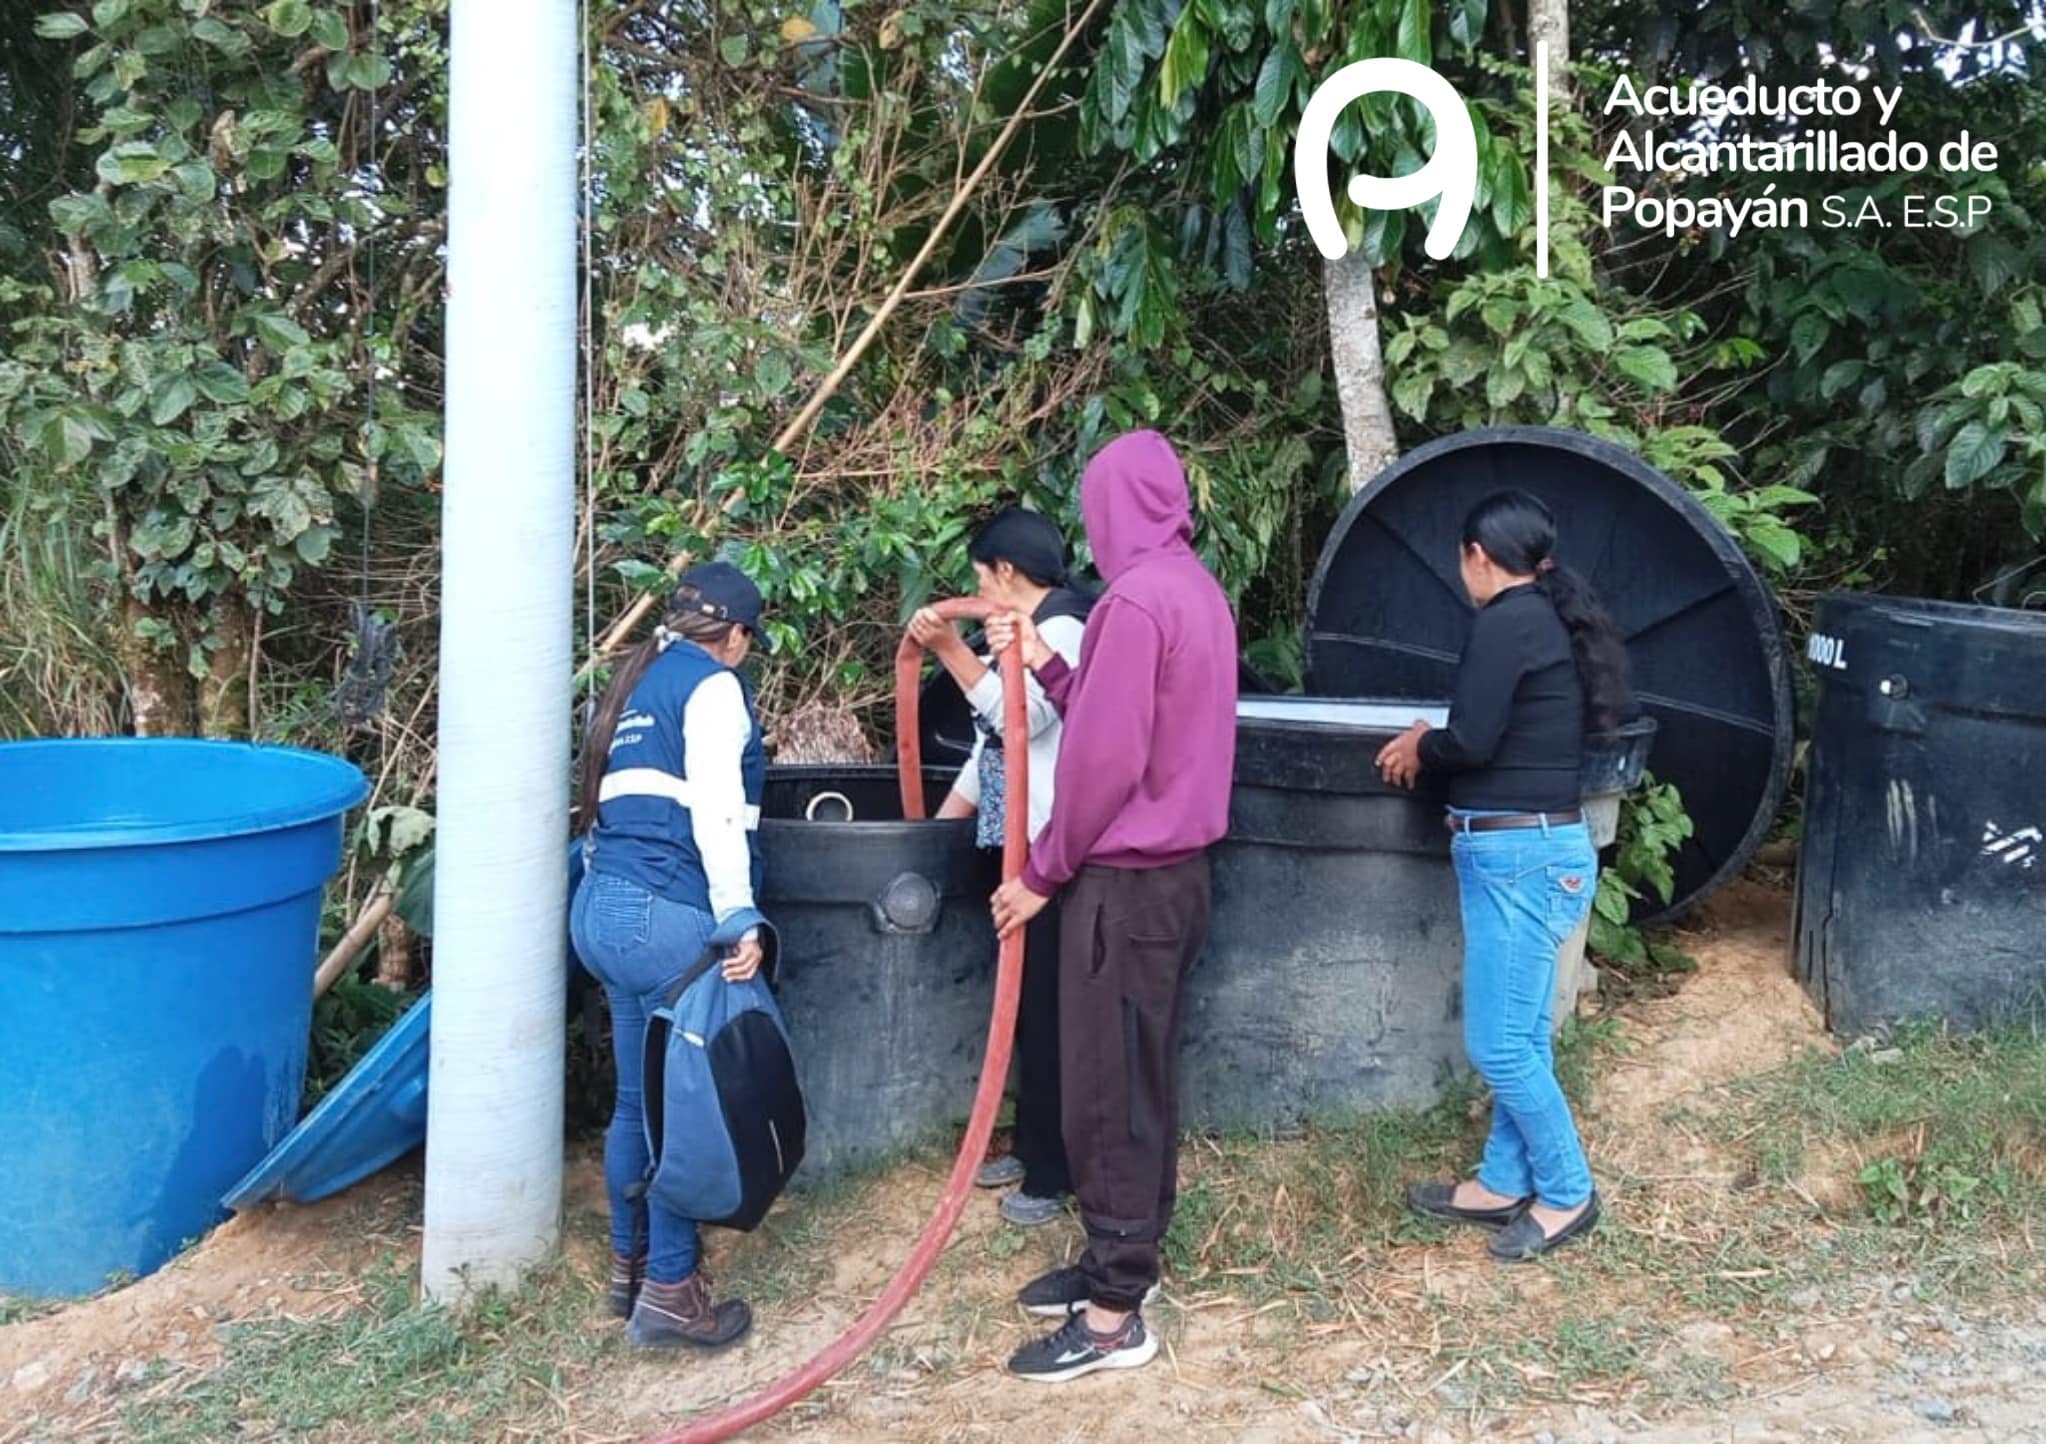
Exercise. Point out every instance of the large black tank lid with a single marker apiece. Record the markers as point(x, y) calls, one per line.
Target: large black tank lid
point(1387, 616)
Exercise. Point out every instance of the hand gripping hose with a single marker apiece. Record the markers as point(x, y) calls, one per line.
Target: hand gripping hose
point(994, 1070)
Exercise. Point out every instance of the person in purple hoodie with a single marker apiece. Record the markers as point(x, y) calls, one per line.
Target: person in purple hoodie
point(1142, 791)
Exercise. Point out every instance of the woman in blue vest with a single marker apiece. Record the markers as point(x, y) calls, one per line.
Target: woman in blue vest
point(669, 799)
point(1019, 560)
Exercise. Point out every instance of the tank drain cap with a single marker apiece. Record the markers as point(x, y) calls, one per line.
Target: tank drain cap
point(909, 904)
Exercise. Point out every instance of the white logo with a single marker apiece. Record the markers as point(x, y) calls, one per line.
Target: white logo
point(1824, 651)
point(1451, 173)
point(2019, 847)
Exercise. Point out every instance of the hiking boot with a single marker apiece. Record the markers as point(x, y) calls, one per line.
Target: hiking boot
point(1027, 1210)
point(670, 1315)
point(999, 1172)
point(1523, 1239)
point(1061, 1292)
point(627, 1274)
point(1075, 1350)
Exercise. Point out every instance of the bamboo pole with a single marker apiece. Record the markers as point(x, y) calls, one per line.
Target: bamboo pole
point(356, 938)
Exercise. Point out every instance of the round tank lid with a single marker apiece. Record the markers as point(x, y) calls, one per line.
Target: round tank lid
point(79, 793)
point(371, 1118)
point(1387, 616)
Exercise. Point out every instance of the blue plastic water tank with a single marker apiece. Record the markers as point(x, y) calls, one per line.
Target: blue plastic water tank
point(159, 917)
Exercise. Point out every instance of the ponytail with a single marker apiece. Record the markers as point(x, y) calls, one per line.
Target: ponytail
point(603, 727)
point(705, 631)
point(1595, 644)
point(1519, 533)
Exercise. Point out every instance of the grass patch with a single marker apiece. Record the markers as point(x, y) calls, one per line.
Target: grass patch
point(793, 1250)
point(392, 1370)
point(15, 1309)
point(1944, 1127)
point(1267, 1217)
point(1582, 1045)
point(1924, 1161)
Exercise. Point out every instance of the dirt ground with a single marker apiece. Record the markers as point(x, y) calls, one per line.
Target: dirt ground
point(1410, 1354)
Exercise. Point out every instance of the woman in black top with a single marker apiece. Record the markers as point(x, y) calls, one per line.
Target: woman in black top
point(1543, 663)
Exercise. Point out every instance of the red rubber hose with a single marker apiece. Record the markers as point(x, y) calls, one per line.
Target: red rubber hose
point(994, 1070)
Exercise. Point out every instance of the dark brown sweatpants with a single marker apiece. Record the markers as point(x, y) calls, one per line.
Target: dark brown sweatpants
point(1127, 938)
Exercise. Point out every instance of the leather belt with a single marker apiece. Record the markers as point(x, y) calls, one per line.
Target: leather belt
point(1508, 821)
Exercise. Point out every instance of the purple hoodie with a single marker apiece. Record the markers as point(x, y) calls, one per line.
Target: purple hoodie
point(1150, 715)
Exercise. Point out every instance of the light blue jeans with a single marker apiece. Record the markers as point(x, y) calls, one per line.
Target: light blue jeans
point(1523, 891)
point(639, 944)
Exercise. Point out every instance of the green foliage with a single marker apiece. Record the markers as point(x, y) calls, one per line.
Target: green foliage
point(1508, 347)
point(1758, 516)
point(1217, 87)
point(1901, 1191)
point(1988, 430)
point(1653, 826)
point(202, 362)
point(347, 1021)
point(1869, 333)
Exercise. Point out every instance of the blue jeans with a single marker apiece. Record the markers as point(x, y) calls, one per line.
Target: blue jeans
point(1523, 890)
point(638, 944)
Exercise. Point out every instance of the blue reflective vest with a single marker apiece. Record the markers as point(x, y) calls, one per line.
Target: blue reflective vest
point(644, 836)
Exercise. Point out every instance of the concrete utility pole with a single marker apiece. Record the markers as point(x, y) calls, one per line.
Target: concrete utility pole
point(493, 1132)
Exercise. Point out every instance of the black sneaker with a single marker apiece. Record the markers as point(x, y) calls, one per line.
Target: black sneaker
point(1075, 1350)
point(1063, 1291)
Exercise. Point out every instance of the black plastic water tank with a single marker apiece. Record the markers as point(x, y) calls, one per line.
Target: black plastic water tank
point(888, 957)
point(1387, 615)
point(1921, 885)
point(1332, 980)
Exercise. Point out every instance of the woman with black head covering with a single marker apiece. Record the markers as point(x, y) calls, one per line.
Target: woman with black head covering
point(1543, 664)
point(1019, 560)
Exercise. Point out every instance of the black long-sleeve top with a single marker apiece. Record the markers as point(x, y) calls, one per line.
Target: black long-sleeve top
point(1515, 737)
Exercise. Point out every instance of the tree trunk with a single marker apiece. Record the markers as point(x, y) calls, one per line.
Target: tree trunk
point(224, 691)
point(1368, 434)
point(1504, 28)
point(159, 688)
point(1550, 20)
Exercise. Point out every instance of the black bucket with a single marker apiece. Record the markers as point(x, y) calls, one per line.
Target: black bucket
point(1921, 882)
point(888, 957)
point(1331, 984)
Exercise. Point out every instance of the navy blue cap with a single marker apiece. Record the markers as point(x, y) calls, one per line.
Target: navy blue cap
point(719, 590)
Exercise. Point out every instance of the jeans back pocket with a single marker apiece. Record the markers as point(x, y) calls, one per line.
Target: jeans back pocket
point(1570, 890)
point(620, 916)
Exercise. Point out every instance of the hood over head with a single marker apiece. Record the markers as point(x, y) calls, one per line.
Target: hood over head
point(1134, 499)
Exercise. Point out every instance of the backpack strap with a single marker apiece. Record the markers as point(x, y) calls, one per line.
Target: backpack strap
point(1064, 601)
